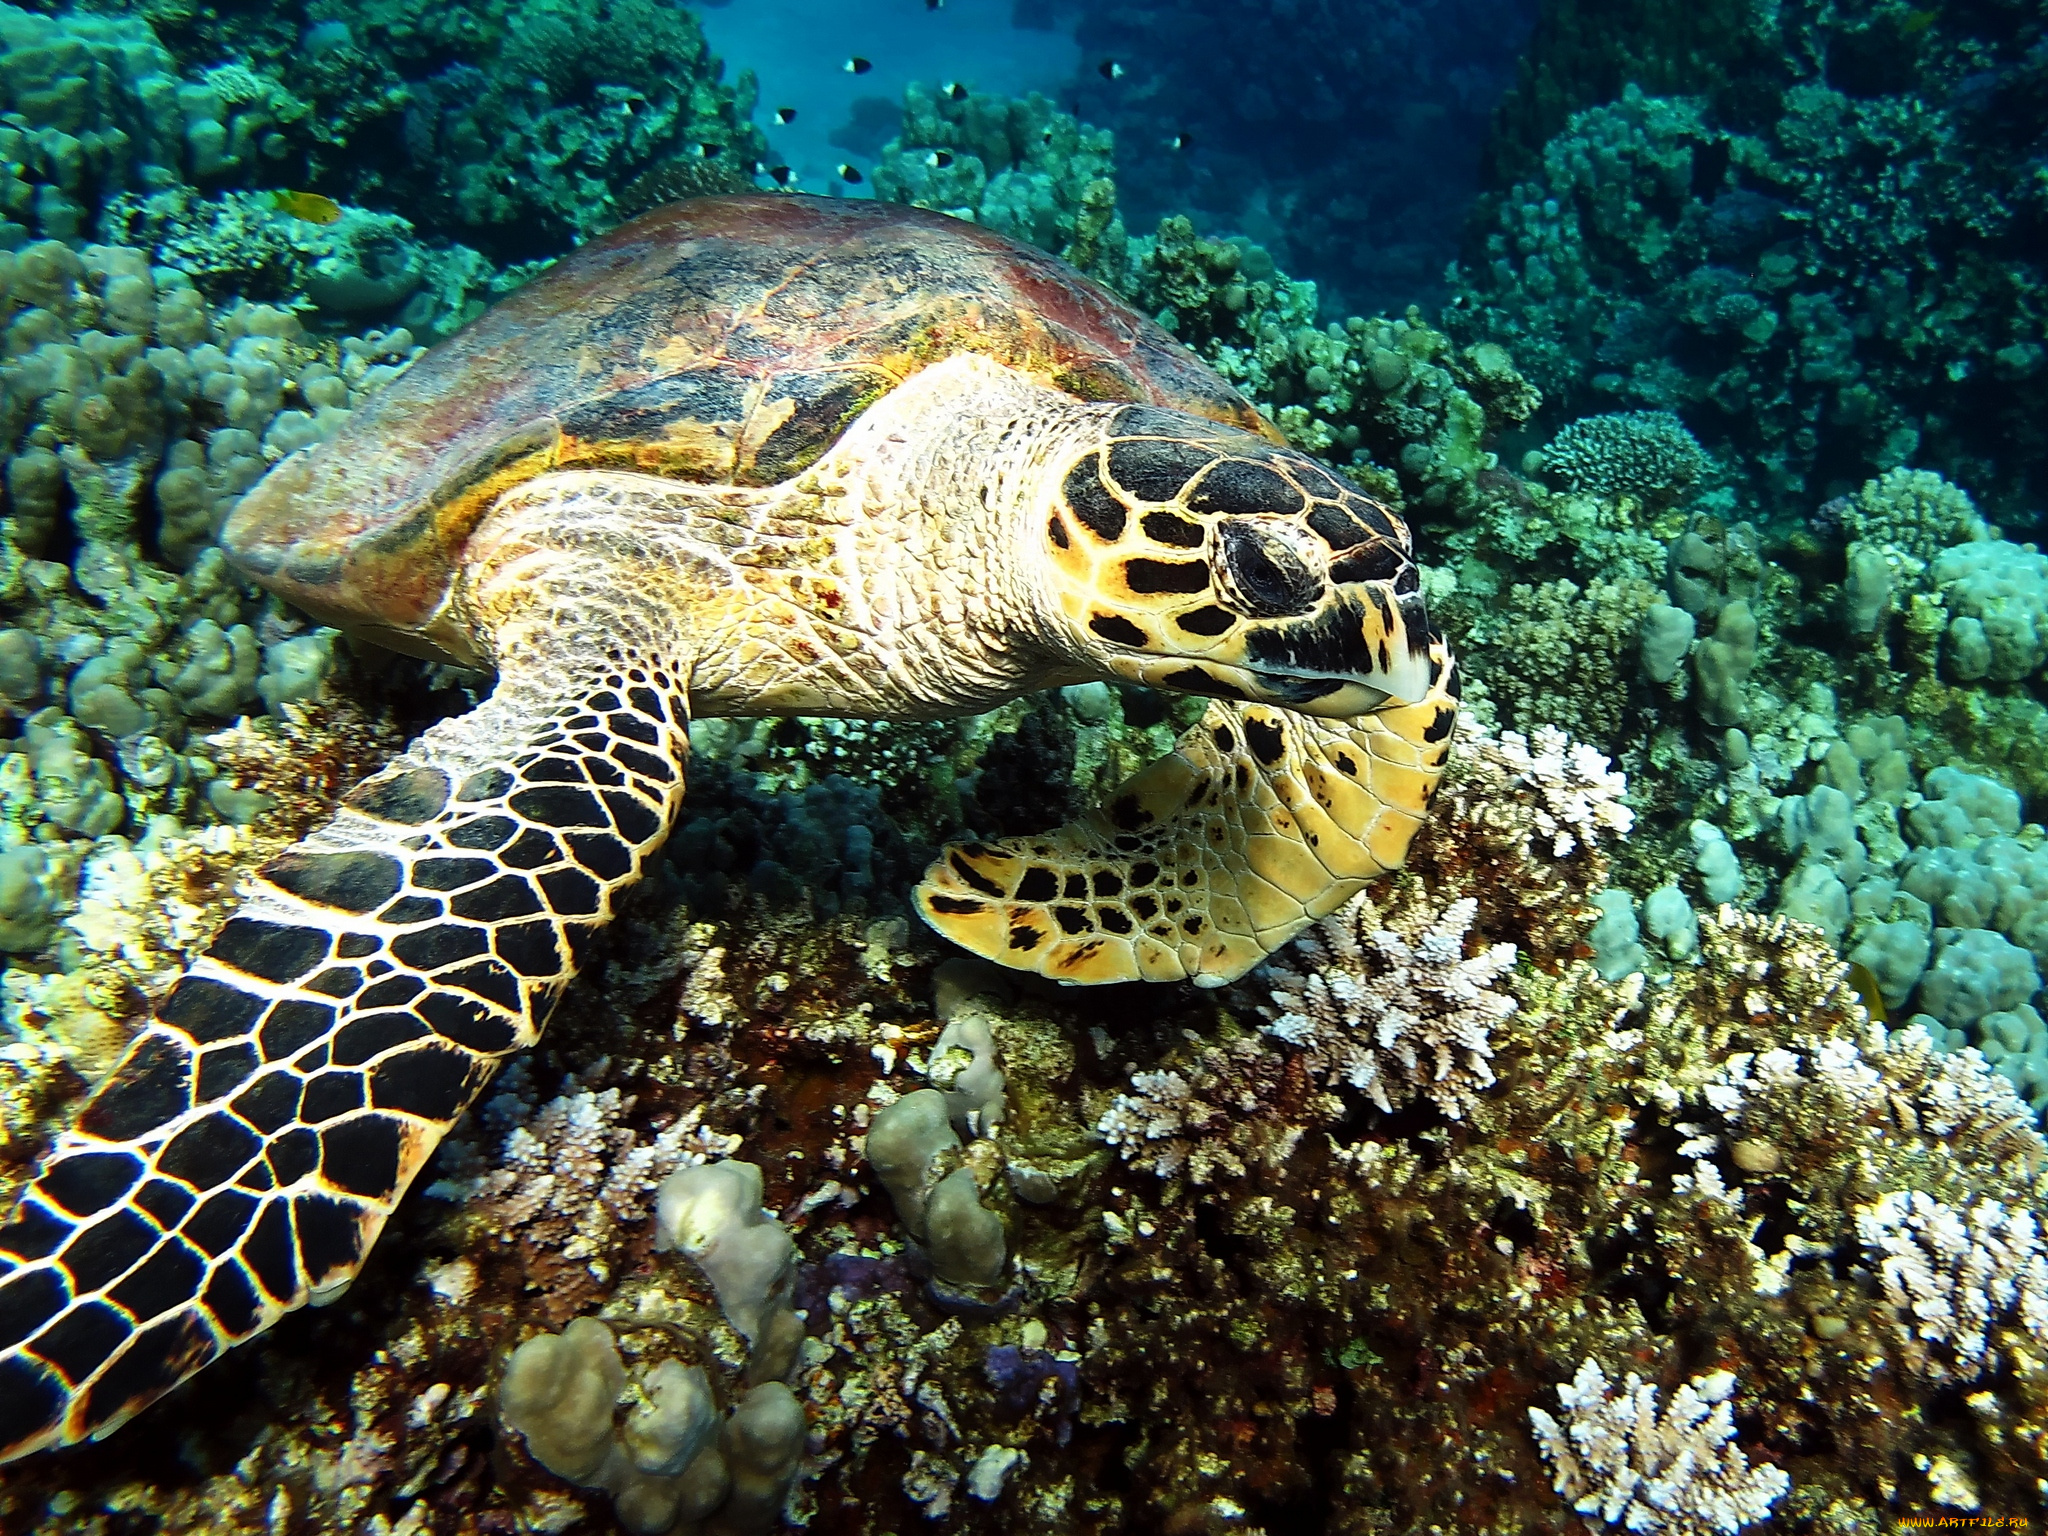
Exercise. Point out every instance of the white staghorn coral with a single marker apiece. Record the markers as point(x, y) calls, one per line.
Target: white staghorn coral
point(1669, 1470)
point(1399, 1015)
point(1578, 797)
point(1952, 1274)
point(1228, 1110)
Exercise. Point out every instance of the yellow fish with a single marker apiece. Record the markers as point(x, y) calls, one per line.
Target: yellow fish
point(1863, 982)
point(310, 206)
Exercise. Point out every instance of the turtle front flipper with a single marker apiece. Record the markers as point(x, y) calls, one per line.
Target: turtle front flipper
point(1260, 822)
point(248, 1148)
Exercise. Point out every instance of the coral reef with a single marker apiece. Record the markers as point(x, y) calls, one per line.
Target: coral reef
point(1416, 1023)
point(1580, 1146)
point(1345, 135)
point(1812, 235)
point(514, 128)
point(1345, 1284)
point(1021, 167)
point(1648, 453)
point(1393, 399)
point(134, 412)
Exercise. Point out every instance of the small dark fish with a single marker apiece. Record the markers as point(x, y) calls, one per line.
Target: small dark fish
point(781, 175)
point(709, 151)
point(1109, 69)
point(939, 159)
point(1180, 141)
point(850, 174)
point(857, 65)
point(785, 115)
point(953, 90)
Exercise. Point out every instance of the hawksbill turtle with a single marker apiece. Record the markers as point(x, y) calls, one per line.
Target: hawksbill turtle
point(753, 455)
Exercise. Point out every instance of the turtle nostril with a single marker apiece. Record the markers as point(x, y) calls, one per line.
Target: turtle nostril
point(1261, 574)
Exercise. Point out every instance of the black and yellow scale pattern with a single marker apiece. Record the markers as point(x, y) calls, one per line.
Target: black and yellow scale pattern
point(244, 1154)
point(1204, 560)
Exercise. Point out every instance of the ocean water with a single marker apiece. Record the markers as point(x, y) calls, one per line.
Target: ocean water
point(1023, 767)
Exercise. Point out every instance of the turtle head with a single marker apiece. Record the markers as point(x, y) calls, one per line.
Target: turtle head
point(1193, 557)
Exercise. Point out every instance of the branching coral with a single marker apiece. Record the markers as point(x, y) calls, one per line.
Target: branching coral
point(1649, 1467)
point(1218, 1119)
point(1647, 454)
point(1575, 796)
point(1953, 1274)
point(1831, 279)
point(1397, 1012)
point(570, 1173)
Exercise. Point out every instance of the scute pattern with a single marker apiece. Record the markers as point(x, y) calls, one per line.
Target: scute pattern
point(1220, 565)
point(773, 456)
point(1203, 863)
point(241, 1158)
point(723, 340)
point(1228, 567)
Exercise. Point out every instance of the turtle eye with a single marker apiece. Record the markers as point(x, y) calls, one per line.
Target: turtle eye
point(1261, 572)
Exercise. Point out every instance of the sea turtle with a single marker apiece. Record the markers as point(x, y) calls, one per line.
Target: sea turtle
point(753, 455)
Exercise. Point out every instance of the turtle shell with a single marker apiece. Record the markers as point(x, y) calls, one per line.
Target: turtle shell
point(725, 340)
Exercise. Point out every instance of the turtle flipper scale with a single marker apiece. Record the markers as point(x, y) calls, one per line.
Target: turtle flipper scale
point(246, 1151)
point(1260, 822)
